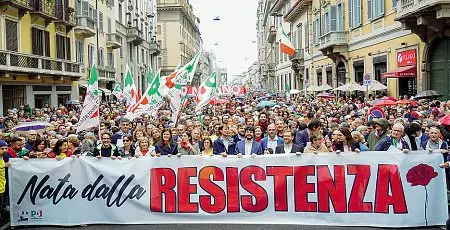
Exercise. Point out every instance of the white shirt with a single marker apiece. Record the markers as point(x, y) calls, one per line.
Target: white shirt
point(248, 147)
point(225, 142)
point(272, 144)
point(287, 148)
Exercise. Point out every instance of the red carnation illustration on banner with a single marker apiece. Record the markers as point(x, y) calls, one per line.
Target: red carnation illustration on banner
point(422, 175)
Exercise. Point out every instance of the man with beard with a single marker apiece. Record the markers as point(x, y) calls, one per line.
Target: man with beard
point(249, 146)
point(241, 133)
point(288, 146)
point(263, 122)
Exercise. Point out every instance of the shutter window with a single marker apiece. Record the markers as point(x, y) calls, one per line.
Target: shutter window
point(369, 9)
point(68, 49)
point(46, 35)
point(85, 6)
point(333, 15)
point(100, 21)
point(11, 36)
point(357, 12)
point(350, 13)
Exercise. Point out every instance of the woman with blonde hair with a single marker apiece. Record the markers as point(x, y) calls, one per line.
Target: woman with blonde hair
point(145, 148)
point(74, 145)
point(138, 134)
point(318, 144)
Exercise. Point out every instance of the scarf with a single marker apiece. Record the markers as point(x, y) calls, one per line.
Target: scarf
point(185, 146)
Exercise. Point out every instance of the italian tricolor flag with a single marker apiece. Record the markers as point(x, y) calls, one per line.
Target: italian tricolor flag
point(286, 45)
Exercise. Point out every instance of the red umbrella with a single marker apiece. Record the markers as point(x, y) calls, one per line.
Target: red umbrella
point(219, 101)
point(407, 102)
point(385, 102)
point(389, 98)
point(445, 120)
point(326, 95)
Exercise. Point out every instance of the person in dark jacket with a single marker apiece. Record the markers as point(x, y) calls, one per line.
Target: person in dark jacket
point(381, 131)
point(224, 144)
point(302, 137)
point(106, 149)
point(125, 129)
point(393, 142)
point(128, 149)
point(288, 145)
point(166, 146)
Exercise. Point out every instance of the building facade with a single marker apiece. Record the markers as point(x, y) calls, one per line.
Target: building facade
point(115, 33)
point(178, 33)
point(37, 55)
point(343, 41)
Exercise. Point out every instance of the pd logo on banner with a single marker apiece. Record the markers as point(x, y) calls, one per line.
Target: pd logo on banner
point(375, 112)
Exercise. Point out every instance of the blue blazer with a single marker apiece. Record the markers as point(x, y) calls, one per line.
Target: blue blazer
point(171, 149)
point(256, 148)
point(265, 140)
point(386, 142)
point(219, 147)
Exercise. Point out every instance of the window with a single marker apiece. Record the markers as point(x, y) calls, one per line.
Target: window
point(143, 56)
point(110, 59)
point(130, 51)
point(316, 28)
point(11, 35)
point(120, 12)
point(394, 4)
point(340, 17)
point(79, 51)
point(327, 22)
point(137, 55)
point(63, 47)
point(109, 25)
point(100, 21)
point(375, 8)
point(101, 57)
point(40, 40)
point(91, 54)
point(299, 36)
point(354, 13)
point(307, 37)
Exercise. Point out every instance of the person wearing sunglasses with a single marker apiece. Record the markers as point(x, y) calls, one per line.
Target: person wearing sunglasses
point(128, 150)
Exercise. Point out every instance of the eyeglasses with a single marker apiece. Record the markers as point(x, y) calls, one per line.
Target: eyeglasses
point(126, 140)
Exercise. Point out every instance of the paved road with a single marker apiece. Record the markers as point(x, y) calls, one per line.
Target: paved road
point(211, 226)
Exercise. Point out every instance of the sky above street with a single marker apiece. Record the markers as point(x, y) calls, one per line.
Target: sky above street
point(232, 37)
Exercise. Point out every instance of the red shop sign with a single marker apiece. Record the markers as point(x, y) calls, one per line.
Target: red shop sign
point(406, 58)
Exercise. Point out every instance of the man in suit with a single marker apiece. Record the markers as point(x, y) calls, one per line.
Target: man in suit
point(272, 140)
point(288, 146)
point(248, 146)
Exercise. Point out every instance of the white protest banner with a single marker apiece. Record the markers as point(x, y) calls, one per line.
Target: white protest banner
point(382, 189)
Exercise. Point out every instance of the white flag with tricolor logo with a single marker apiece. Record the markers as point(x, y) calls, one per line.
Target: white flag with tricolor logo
point(149, 102)
point(130, 91)
point(90, 114)
point(206, 91)
point(117, 91)
point(150, 76)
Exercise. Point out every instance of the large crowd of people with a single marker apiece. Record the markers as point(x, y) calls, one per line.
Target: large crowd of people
point(239, 126)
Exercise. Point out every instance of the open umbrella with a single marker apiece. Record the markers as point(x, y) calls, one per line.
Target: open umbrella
point(324, 87)
point(73, 102)
point(295, 91)
point(37, 126)
point(326, 95)
point(407, 102)
point(389, 98)
point(377, 86)
point(311, 88)
point(264, 104)
point(445, 120)
point(385, 102)
point(428, 94)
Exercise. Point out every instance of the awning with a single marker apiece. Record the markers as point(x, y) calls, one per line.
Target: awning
point(105, 91)
point(409, 71)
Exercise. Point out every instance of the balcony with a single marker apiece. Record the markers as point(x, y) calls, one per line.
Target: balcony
point(44, 9)
point(65, 16)
point(298, 60)
point(426, 18)
point(334, 43)
point(22, 5)
point(13, 62)
point(106, 73)
point(134, 35)
point(154, 48)
point(272, 34)
point(113, 41)
point(406, 8)
point(85, 27)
